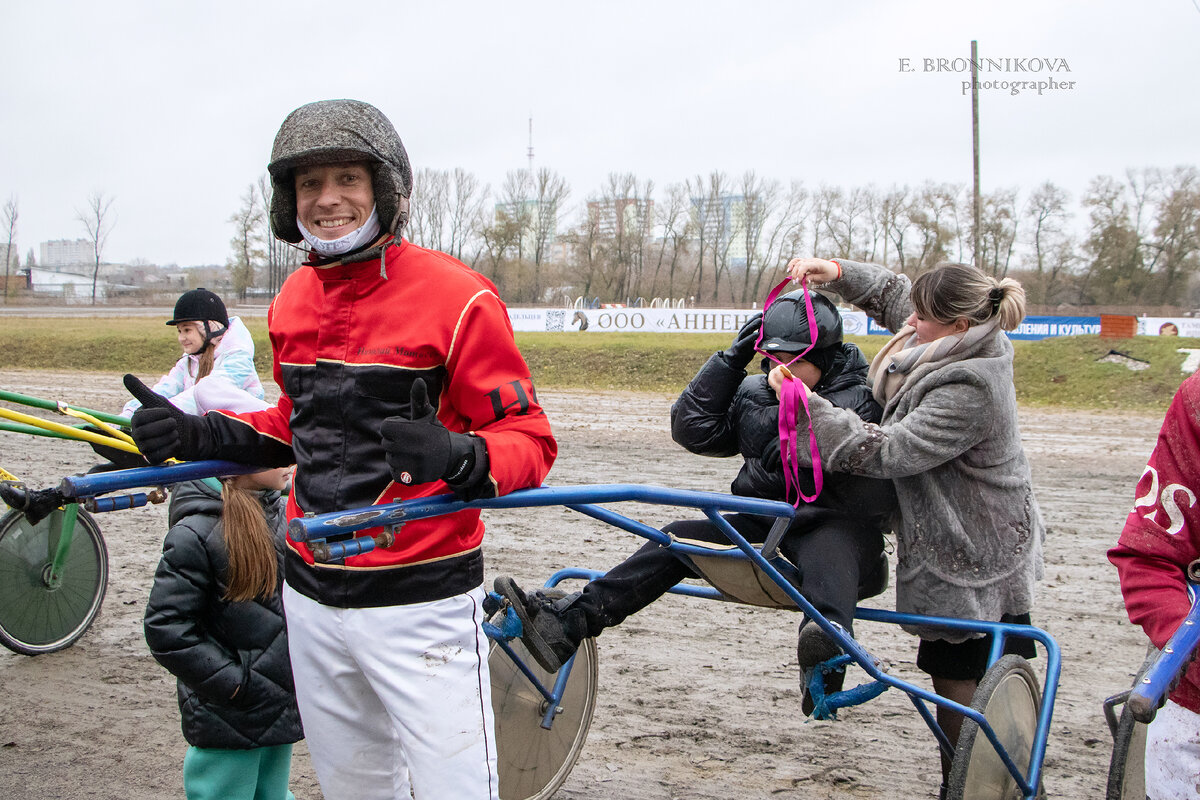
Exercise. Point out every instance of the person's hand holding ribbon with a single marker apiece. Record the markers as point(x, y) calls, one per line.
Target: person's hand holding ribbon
point(814, 270)
point(793, 395)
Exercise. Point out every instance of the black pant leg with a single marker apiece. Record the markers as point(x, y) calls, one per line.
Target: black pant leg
point(833, 552)
point(640, 579)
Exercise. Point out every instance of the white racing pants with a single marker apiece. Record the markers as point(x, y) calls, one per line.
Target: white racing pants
point(1173, 754)
point(392, 693)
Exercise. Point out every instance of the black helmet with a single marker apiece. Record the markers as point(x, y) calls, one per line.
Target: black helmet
point(785, 323)
point(334, 131)
point(199, 305)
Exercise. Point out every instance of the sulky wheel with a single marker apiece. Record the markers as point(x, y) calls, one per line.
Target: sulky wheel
point(1127, 768)
point(533, 761)
point(37, 614)
point(1009, 698)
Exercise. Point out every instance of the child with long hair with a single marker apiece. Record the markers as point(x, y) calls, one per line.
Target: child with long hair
point(215, 621)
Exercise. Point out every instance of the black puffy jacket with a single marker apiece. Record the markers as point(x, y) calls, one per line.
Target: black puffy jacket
point(723, 412)
point(231, 659)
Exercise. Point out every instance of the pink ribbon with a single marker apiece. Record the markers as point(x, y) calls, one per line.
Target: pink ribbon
point(792, 396)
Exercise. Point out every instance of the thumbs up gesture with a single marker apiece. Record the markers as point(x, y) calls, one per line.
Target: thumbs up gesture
point(420, 449)
point(162, 431)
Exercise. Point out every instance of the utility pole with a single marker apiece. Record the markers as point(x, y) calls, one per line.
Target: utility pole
point(975, 146)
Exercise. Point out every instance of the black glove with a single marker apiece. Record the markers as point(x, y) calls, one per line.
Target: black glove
point(162, 431)
point(420, 449)
point(117, 458)
point(739, 354)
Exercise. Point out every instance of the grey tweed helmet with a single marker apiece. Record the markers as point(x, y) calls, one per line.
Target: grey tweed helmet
point(333, 131)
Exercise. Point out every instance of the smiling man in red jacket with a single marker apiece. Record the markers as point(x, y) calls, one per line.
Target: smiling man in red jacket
point(399, 378)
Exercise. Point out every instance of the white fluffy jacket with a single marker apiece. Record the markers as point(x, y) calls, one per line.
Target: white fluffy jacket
point(233, 368)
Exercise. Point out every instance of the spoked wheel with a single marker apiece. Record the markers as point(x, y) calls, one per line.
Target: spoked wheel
point(37, 614)
point(1009, 698)
point(1127, 768)
point(533, 761)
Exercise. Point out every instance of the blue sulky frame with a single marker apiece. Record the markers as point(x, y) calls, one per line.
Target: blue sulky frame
point(316, 530)
point(1152, 684)
point(348, 529)
point(1151, 690)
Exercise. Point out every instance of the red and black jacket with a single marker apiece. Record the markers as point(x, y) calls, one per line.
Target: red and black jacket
point(348, 342)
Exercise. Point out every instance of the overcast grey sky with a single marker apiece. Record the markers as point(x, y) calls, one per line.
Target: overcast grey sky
point(170, 108)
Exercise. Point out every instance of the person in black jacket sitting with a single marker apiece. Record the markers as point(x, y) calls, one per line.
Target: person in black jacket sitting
point(836, 541)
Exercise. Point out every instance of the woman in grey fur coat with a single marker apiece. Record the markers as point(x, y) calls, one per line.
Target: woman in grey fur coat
point(969, 533)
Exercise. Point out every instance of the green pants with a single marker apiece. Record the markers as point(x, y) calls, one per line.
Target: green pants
point(257, 774)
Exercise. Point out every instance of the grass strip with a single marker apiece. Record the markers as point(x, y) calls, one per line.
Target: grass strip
point(1067, 372)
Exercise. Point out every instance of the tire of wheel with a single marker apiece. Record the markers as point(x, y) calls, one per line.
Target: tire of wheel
point(35, 617)
point(534, 762)
point(1127, 767)
point(1009, 699)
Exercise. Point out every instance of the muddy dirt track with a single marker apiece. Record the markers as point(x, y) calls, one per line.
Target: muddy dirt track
point(698, 700)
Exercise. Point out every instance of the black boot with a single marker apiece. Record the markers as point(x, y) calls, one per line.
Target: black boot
point(36, 503)
point(814, 647)
point(551, 629)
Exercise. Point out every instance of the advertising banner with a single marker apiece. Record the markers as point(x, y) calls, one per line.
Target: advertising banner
point(730, 320)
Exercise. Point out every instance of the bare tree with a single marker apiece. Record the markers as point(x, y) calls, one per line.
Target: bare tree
point(1174, 246)
point(282, 257)
point(642, 232)
point(587, 252)
point(515, 212)
point(621, 219)
point(465, 221)
point(1115, 270)
point(448, 213)
point(825, 203)
point(516, 201)
point(429, 208)
point(934, 220)
point(675, 221)
point(10, 224)
point(844, 215)
point(998, 231)
point(893, 212)
point(501, 241)
point(786, 232)
point(760, 198)
point(247, 242)
point(713, 226)
point(1046, 209)
point(550, 191)
point(99, 222)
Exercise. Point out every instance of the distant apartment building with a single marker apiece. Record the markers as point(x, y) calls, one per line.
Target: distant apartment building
point(723, 221)
point(538, 220)
point(66, 253)
point(618, 217)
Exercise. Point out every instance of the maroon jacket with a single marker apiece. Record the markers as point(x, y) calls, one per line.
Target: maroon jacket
point(1162, 533)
